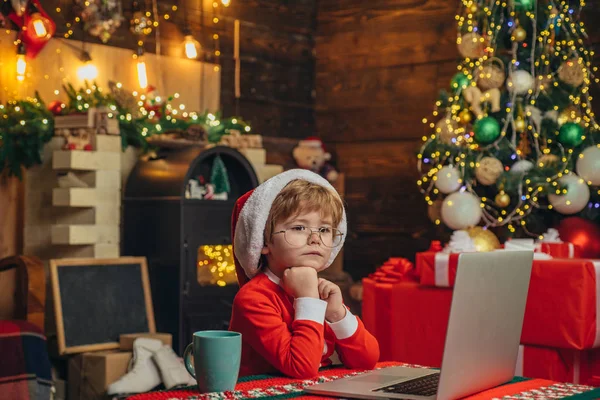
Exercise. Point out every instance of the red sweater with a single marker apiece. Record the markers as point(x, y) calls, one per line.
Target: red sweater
point(280, 333)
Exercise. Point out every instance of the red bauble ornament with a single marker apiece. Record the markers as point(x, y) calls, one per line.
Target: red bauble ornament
point(55, 107)
point(583, 233)
point(71, 146)
point(87, 147)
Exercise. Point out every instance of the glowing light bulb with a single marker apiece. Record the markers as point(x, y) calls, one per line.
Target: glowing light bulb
point(21, 63)
point(142, 74)
point(226, 3)
point(191, 46)
point(40, 25)
point(87, 71)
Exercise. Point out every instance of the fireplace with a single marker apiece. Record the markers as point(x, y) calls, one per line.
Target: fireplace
point(176, 215)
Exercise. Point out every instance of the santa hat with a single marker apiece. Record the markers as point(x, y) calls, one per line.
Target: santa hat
point(250, 215)
point(312, 141)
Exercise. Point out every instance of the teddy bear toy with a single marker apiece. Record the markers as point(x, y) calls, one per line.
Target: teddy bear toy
point(310, 154)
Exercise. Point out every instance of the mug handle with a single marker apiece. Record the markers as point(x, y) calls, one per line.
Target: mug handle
point(186, 360)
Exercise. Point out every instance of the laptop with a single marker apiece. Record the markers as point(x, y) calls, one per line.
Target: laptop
point(482, 340)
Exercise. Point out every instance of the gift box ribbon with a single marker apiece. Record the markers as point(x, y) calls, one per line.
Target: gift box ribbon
point(394, 270)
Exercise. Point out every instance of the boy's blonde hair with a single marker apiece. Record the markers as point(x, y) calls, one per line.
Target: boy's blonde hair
point(303, 196)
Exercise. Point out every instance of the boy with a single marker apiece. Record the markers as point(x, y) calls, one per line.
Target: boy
point(284, 232)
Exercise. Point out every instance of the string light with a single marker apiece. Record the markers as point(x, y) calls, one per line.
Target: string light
point(216, 265)
point(563, 40)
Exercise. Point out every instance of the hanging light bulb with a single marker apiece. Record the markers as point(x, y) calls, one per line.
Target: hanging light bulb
point(21, 63)
point(226, 3)
point(141, 69)
point(40, 25)
point(191, 46)
point(88, 71)
point(142, 74)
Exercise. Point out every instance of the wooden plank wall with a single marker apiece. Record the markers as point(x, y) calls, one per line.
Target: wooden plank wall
point(277, 69)
point(276, 54)
point(379, 68)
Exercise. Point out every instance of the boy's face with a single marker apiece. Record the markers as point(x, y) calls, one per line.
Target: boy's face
point(309, 252)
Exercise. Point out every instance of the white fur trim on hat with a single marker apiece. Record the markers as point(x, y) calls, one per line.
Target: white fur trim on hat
point(249, 231)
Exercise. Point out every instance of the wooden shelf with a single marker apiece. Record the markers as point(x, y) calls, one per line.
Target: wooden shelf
point(85, 234)
point(86, 160)
point(74, 234)
point(84, 197)
point(264, 172)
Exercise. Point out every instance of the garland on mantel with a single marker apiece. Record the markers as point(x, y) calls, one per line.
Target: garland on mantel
point(26, 125)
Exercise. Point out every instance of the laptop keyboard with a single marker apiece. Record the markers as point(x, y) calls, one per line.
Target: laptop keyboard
point(423, 386)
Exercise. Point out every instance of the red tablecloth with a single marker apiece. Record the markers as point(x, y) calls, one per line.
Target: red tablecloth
point(271, 387)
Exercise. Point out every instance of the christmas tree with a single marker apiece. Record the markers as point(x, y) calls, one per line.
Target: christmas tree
point(512, 145)
point(218, 176)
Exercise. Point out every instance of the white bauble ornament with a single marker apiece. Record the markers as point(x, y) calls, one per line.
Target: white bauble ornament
point(576, 198)
point(521, 167)
point(461, 210)
point(448, 179)
point(588, 166)
point(520, 82)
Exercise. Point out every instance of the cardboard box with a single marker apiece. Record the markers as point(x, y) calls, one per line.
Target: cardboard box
point(127, 340)
point(90, 373)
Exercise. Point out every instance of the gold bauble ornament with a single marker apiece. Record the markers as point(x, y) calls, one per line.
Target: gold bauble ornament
point(569, 114)
point(548, 160)
point(473, 8)
point(445, 130)
point(520, 124)
point(472, 45)
point(518, 34)
point(484, 239)
point(572, 72)
point(502, 199)
point(488, 170)
point(465, 116)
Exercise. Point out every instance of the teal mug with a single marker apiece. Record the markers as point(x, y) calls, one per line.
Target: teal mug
point(217, 357)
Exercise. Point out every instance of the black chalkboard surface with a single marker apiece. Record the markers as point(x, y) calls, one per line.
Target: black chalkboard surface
point(96, 300)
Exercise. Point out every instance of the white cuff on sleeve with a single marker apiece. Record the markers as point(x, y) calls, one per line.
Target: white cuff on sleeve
point(345, 327)
point(311, 309)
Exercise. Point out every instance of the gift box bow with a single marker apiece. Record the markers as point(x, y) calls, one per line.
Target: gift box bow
point(395, 270)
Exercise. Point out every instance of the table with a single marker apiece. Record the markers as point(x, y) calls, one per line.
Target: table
point(279, 387)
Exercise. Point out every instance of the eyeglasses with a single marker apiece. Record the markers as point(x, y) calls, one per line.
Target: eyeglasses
point(297, 236)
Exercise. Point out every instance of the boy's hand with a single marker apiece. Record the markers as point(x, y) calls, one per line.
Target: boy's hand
point(301, 282)
point(332, 294)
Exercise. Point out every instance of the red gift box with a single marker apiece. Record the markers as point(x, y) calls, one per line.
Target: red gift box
point(559, 250)
point(562, 365)
point(410, 323)
point(377, 291)
point(562, 303)
point(408, 320)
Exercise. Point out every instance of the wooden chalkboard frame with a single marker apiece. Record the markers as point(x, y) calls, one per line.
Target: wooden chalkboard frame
point(58, 313)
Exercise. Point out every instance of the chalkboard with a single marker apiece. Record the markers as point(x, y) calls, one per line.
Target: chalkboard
point(96, 300)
